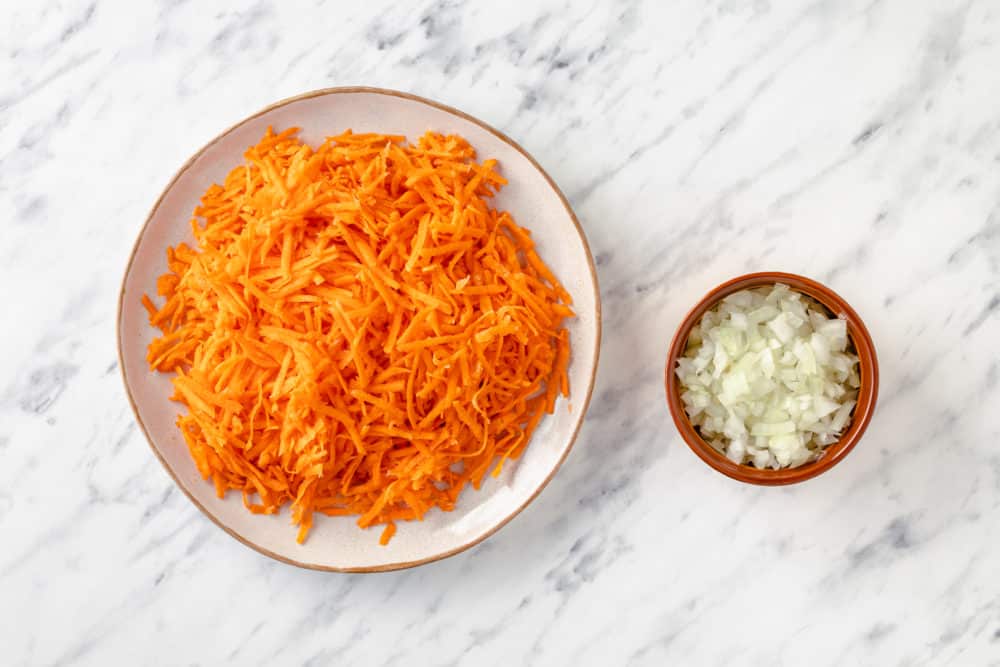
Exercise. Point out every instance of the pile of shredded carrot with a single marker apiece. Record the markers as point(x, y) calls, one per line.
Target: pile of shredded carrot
point(358, 332)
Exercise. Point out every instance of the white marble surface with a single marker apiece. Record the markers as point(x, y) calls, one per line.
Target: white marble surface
point(857, 142)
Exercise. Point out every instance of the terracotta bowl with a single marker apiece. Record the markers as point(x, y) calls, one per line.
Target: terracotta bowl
point(867, 395)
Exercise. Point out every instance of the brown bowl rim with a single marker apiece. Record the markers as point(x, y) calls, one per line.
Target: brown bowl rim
point(580, 407)
point(867, 394)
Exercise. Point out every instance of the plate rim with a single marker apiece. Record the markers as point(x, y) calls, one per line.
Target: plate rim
point(401, 565)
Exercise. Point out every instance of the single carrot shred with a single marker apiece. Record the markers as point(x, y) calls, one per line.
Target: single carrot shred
point(358, 332)
point(387, 533)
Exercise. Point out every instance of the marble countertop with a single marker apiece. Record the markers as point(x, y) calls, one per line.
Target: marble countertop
point(854, 141)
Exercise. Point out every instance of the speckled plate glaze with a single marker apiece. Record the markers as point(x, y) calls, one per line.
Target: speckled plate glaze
point(337, 543)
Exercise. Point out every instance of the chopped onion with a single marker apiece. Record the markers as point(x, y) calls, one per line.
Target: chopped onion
point(768, 378)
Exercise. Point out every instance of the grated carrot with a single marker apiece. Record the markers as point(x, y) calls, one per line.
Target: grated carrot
point(358, 332)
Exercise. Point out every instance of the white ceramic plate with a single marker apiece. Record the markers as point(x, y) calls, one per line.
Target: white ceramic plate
point(337, 543)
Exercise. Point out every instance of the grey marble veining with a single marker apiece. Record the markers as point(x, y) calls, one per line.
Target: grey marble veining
point(857, 142)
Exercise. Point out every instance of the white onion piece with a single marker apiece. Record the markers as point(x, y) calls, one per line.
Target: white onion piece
point(768, 378)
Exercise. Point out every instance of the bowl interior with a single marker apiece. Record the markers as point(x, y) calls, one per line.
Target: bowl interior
point(337, 543)
point(867, 394)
